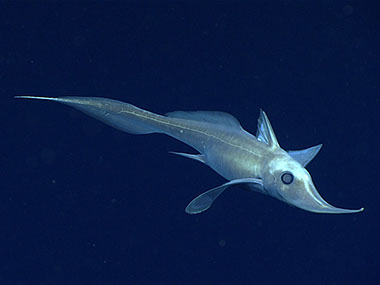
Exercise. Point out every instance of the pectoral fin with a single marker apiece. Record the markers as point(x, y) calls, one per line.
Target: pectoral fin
point(205, 200)
point(304, 156)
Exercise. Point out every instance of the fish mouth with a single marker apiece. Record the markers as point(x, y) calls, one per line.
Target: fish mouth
point(312, 201)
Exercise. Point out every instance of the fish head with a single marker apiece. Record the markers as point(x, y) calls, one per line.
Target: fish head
point(287, 180)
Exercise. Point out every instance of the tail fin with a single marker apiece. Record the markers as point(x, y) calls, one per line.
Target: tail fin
point(120, 115)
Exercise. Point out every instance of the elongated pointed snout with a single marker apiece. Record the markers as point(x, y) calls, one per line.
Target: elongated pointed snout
point(312, 201)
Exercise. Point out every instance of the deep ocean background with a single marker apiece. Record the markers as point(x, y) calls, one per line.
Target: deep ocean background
point(82, 203)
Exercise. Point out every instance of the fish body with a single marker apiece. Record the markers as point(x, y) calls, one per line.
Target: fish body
point(242, 158)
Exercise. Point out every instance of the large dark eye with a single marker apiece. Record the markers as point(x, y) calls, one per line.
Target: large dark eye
point(287, 178)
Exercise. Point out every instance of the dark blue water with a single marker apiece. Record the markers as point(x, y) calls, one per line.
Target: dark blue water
point(82, 203)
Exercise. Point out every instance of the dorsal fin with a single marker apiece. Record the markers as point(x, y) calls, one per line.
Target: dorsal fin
point(265, 131)
point(214, 117)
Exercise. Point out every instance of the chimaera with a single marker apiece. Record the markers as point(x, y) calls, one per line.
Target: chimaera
point(242, 158)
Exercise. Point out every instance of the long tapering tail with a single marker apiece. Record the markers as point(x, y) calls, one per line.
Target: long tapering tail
point(120, 115)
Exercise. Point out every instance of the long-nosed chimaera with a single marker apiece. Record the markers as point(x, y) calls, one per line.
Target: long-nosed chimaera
point(242, 158)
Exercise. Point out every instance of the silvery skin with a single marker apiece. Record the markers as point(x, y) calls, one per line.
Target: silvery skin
point(242, 158)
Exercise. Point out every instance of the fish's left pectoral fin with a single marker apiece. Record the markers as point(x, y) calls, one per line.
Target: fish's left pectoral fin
point(198, 157)
point(304, 156)
point(204, 201)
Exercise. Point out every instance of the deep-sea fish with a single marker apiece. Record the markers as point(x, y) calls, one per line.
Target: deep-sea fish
point(258, 162)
